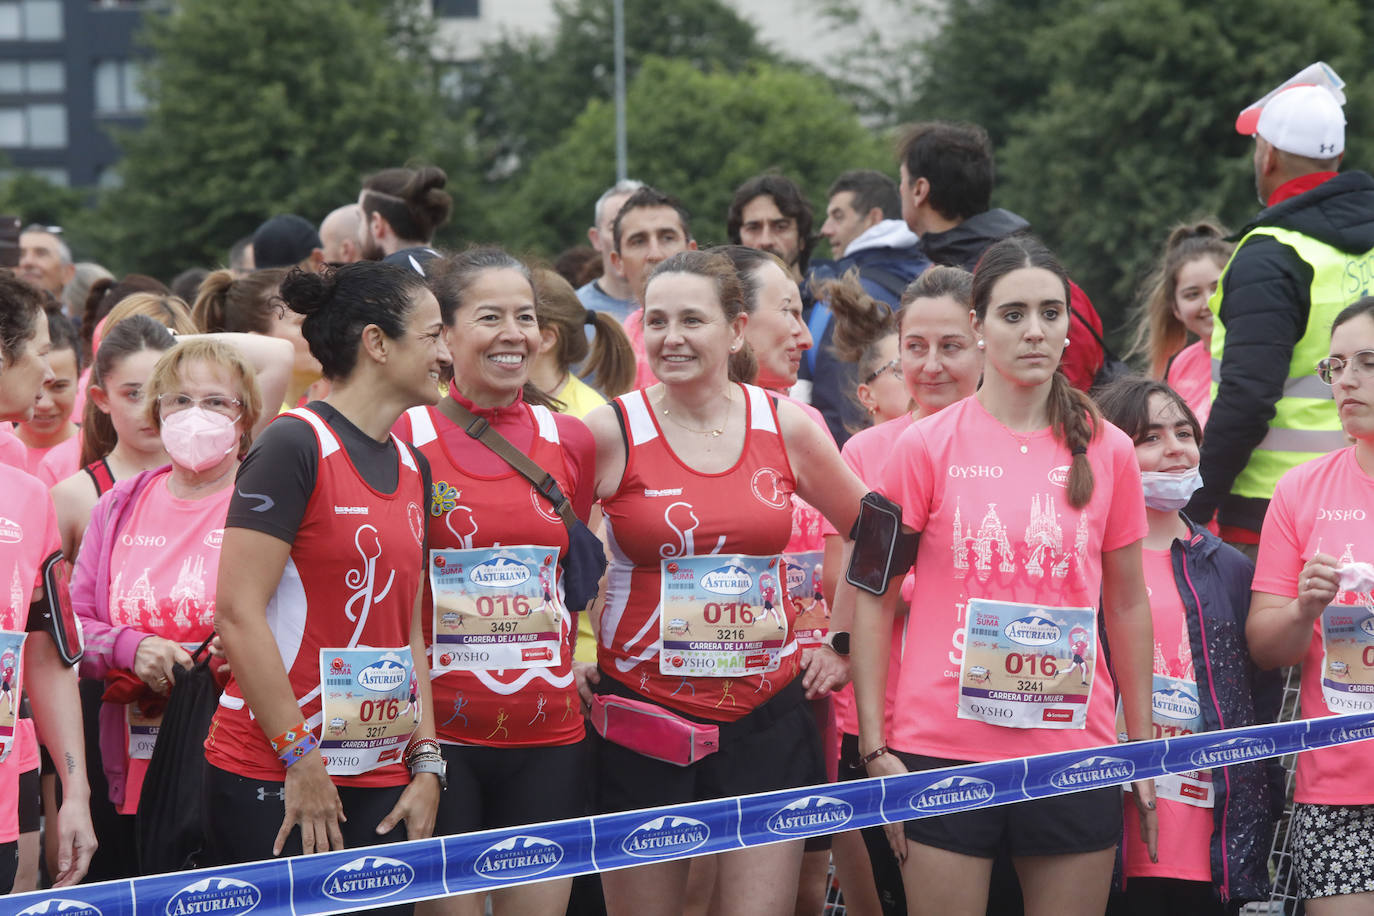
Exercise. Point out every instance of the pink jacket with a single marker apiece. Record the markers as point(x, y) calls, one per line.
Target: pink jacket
point(107, 645)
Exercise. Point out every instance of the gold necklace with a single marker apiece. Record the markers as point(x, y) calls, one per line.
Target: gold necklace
point(714, 433)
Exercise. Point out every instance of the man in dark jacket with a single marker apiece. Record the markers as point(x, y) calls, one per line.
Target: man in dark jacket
point(1304, 258)
point(866, 233)
point(946, 190)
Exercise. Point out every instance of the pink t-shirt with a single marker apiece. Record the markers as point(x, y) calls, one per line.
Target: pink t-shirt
point(28, 535)
point(13, 452)
point(1191, 376)
point(808, 525)
point(1322, 506)
point(996, 524)
point(866, 454)
point(1186, 852)
point(62, 461)
point(166, 566)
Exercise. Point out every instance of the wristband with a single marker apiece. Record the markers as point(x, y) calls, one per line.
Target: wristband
point(289, 737)
point(430, 763)
point(307, 743)
point(873, 755)
point(420, 746)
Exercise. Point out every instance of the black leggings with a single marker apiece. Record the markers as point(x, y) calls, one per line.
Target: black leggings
point(243, 815)
point(9, 865)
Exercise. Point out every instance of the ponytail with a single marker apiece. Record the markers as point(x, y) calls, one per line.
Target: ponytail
point(861, 321)
point(1074, 419)
point(743, 365)
point(612, 358)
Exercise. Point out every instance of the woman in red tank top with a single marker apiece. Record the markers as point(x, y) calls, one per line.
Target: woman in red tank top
point(695, 476)
point(326, 528)
point(508, 719)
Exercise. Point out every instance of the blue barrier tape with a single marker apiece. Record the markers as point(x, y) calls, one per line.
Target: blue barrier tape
point(354, 879)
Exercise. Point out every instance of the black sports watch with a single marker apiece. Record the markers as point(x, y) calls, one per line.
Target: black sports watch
point(839, 642)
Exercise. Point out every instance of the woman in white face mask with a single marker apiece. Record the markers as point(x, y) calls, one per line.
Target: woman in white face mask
point(145, 579)
point(1213, 826)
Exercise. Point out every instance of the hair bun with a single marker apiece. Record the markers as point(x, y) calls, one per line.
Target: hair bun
point(306, 293)
point(1201, 230)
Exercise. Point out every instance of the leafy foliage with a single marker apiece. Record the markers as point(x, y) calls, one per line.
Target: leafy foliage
point(260, 107)
point(527, 91)
point(697, 135)
point(1114, 119)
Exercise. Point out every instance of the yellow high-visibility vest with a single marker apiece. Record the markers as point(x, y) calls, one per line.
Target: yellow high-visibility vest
point(1306, 424)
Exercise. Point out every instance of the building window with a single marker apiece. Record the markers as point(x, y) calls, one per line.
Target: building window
point(116, 88)
point(457, 9)
point(34, 127)
point(18, 77)
point(34, 20)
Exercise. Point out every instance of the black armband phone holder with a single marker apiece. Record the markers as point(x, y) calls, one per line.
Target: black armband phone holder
point(53, 614)
point(882, 551)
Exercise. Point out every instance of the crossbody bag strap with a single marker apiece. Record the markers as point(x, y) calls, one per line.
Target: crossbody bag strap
point(540, 479)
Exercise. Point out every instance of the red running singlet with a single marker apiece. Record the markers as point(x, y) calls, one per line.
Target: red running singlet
point(529, 707)
point(351, 579)
point(665, 509)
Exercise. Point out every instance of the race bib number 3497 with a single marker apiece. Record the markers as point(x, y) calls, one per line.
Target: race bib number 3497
point(496, 608)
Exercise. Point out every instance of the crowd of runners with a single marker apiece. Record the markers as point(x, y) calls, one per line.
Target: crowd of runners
point(447, 541)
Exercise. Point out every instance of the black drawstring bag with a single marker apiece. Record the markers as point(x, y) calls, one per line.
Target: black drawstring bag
point(168, 827)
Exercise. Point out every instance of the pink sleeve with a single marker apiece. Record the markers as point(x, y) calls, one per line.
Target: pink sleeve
point(907, 479)
point(1280, 550)
point(849, 456)
point(1126, 522)
point(107, 646)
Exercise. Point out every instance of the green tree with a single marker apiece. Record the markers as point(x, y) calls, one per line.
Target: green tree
point(260, 107)
point(1114, 119)
point(35, 199)
point(1136, 128)
point(528, 90)
point(698, 136)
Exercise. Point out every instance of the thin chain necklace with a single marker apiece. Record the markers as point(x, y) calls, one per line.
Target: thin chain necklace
point(714, 433)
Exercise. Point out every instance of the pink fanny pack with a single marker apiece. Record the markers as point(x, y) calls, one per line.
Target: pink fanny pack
point(652, 730)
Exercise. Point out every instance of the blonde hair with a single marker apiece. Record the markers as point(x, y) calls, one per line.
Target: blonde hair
point(1159, 333)
point(167, 374)
point(168, 311)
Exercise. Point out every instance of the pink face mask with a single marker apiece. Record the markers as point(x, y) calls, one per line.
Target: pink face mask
point(197, 439)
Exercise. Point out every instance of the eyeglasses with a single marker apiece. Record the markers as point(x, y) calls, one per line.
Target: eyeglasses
point(215, 403)
point(893, 366)
point(1362, 363)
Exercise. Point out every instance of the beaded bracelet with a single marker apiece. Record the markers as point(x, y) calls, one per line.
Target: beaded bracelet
point(419, 746)
point(289, 737)
point(304, 745)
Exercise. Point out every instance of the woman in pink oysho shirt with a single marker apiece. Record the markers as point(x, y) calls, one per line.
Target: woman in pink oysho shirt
point(1217, 822)
point(51, 427)
point(1176, 308)
point(28, 546)
point(912, 363)
point(145, 579)
point(1030, 513)
point(1314, 604)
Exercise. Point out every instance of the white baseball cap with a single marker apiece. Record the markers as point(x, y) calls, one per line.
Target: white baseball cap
point(1303, 116)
